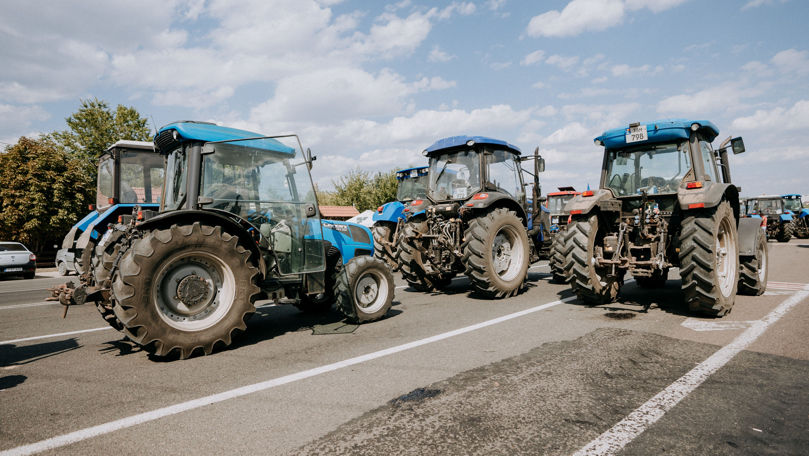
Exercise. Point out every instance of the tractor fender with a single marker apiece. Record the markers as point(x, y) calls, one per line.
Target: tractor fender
point(412, 210)
point(708, 196)
point(786, 218)
point(804, 213)
point(351, 239)
point(212, 218)
point(391, 212)
point(493, 200)
point(101, 220)
point(749, 232)
point(602, 198)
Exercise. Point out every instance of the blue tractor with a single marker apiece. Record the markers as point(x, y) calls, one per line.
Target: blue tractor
point(778, 220)
point(476, 219)
point(665, 200)
point(239, 221)
point(388, 218)
point(800, 215)
point(130, 174)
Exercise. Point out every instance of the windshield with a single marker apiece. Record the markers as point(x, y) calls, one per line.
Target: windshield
point(765, 206)
point(556, 204)
point(655, 168)
point(411, 188)
point(793, 203)
point(266, 182)
point(106, 177)
point(455, 175)
point(12, 248)
point(175, 180)
point(141, 177)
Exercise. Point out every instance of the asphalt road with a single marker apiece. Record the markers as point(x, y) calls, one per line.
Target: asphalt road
point(444, 373)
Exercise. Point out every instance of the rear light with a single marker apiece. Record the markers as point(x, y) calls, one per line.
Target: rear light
point(379, 209)
point(32, 257)
point(575, 212)
point(480, 196)
point(587, 193)
point(407, 209)
point(416, 202)
point(92, 207)
point(111, 200)
point(120, 219)
point(696, 206)
point(140, 216)
point(691, 185)
point(470, 204)
point(569, 219)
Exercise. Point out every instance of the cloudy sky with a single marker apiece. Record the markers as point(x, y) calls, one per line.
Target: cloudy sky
point(370, 84)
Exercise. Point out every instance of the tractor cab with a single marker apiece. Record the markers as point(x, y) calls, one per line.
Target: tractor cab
point(259, 182)
point(413, 183)
point(793, 203)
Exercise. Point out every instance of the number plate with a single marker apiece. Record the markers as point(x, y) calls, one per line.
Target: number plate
point(13, 269)
point(635, 134)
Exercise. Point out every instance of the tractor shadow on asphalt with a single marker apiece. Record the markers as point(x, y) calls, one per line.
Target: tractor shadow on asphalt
point(12, 355)
point(634, 300)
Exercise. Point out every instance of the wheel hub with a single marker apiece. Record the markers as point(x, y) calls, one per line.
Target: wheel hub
point(367, 291)
point(193, 290)
point(501, 254)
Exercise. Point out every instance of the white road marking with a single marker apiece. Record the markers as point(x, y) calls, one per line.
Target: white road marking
point(48, 336)
point(30, 304)
point(707, 325)
point(616, 438)
point(123, 423)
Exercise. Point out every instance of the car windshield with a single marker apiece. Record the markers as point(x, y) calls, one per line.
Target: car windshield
point(411, 188)
point(655, 168)
point(765, 206)
point(266, 182)
point(455, 175)
point(12, 247)
point(793, 203)
point(556, 204)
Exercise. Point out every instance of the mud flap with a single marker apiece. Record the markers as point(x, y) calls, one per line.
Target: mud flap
point(749, 232)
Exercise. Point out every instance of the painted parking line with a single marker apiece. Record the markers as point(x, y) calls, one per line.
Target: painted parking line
point(628, 429)
point(30, 304)
point(123, 423)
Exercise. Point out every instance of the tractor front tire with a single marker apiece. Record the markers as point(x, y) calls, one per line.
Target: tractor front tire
point(709, 260)
point(785, 233)
point(556, 258)
point(495, 253)
point(186, 289)
point(754, 270)
point(383, 240)
point(409, 259)
point(591, 283)
point(364, 289)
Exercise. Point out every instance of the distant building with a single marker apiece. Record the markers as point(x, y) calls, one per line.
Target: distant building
point(338, 212)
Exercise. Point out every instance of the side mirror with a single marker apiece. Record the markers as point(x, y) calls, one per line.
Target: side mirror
point(541, 165)
point(309, 158)
point(737, 144)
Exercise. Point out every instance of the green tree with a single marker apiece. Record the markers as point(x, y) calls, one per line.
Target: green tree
point(94, 127)
point(43, 190)
point(364, 192)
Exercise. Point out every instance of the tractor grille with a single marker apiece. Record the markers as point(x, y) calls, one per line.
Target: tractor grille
point(359, 235)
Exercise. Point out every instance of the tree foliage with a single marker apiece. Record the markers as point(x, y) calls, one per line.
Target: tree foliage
point(43, 190)
point(94, 127)
point(364, 192)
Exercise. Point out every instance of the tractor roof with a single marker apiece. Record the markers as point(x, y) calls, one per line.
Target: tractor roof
point(209, 132)
point(658, 131)
point(459, 141)
point(765, 197)
point(408, 173)
point(792, 195)
point(127, 144)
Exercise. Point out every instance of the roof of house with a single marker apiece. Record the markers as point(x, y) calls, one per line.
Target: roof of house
point(338, 211)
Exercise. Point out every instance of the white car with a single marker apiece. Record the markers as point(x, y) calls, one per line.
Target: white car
point(17, 260)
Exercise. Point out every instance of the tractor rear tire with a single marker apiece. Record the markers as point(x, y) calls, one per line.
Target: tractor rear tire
point(709, 260)
point(409, 259)
point(657, 280)
point(590, 283)
point(103, 263)
point(364, 289)
point(754, 270)
point(321, 302)
point(383, 239)
point(84, 263)
point(495, 253)
point(556, 258)
point(801, 227)
point(184, 290)
point(785, 233)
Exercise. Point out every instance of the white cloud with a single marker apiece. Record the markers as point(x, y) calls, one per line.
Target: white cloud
point(498, 66)
point(757, 3)
point(792, 61)
point(622, 70)
point(495, 5)
point(563, 62)
point(462, 8)
point(580, 16)
point(437, 55)
point(533, 58)
point(779, 118)
point(15, 118)
point(571, 133)
point(705, 102)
